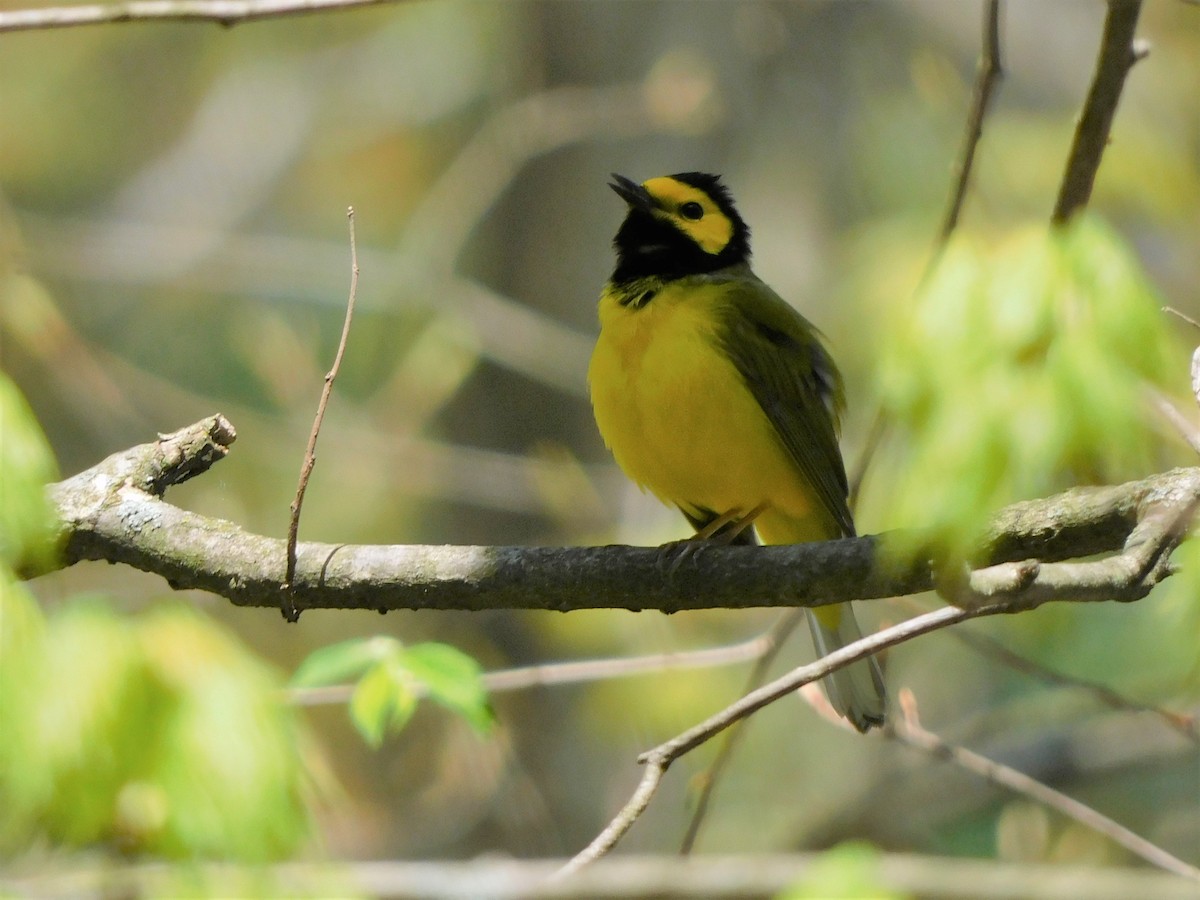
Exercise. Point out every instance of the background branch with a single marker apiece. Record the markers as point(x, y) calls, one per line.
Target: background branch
point(1118, 53)
point(990, 72)
point(908, 729)
point(774, 639)
point(578, 671)
point(629, 876)
point(220, 12)
point(985, 645)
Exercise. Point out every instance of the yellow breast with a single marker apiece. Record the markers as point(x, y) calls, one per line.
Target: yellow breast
point(678, 416)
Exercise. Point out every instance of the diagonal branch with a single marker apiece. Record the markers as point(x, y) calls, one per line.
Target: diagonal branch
point(1118, 52)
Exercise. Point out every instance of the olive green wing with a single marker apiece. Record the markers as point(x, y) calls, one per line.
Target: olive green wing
point(788, 371)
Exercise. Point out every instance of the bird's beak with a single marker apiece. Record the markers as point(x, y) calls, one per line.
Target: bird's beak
point(632, 193)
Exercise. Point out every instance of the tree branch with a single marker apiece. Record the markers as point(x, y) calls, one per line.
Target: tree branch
point(1118, 53)
point(990, 72)
point(115, 512)
point(220, 12)
point(745, 877)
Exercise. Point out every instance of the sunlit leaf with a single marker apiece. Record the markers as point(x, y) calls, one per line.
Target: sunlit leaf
point(345, 660)
point(453, 679)
point(383, 701)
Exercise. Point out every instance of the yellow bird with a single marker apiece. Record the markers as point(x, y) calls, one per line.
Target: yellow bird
point(718, 397)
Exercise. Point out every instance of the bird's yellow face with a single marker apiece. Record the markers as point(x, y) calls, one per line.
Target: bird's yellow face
point(692, 211)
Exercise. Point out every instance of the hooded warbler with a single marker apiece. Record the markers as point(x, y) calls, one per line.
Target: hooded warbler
point(718, 397)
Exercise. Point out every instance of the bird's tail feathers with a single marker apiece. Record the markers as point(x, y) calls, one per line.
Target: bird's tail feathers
point(855, 691)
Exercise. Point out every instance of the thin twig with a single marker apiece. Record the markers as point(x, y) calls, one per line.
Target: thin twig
point(1186, 428)
point(577, 672)
point(1177, 313)
point(774, 638)
point(220, 12)
point(909, 730)
point(985, 645)
point(989, 73)
point(1118, 53)
point(288, 607)
point(875, 435)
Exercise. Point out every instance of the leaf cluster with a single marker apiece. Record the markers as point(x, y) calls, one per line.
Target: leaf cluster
point(1019, 365)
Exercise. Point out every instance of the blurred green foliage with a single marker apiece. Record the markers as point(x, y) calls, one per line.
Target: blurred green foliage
point(846, 872)
point(26, 466)
point(157, 734)
point(1020, 366)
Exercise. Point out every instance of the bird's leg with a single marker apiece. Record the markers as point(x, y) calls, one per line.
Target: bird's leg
point(716, 525)
point(723, 531)
point(739, 525)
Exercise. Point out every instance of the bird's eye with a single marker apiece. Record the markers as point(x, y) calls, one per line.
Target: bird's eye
point(691, 210)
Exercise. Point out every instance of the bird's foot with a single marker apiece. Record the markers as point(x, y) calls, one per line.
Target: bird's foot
point(673, 554)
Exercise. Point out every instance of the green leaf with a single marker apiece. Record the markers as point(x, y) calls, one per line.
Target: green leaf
point(345, 660)
point(383, 700)
point(1018, 368)
point(26, 467)
point(453, 679)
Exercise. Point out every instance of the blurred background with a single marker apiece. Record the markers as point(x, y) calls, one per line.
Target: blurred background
point(173, 243)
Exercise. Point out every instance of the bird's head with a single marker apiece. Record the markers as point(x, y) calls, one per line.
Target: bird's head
point(677, 225)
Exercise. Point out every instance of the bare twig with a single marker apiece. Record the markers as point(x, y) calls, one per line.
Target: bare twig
point(1177, 313)
point(774, 639)
point(875, 435)
point(908, 729)
point(990, 72)
point(220, 12)
point(577, 672)
point(1169, 411)
point(1182, 723)
point(985, 645)
point(287, 605)
point(1118, 52)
